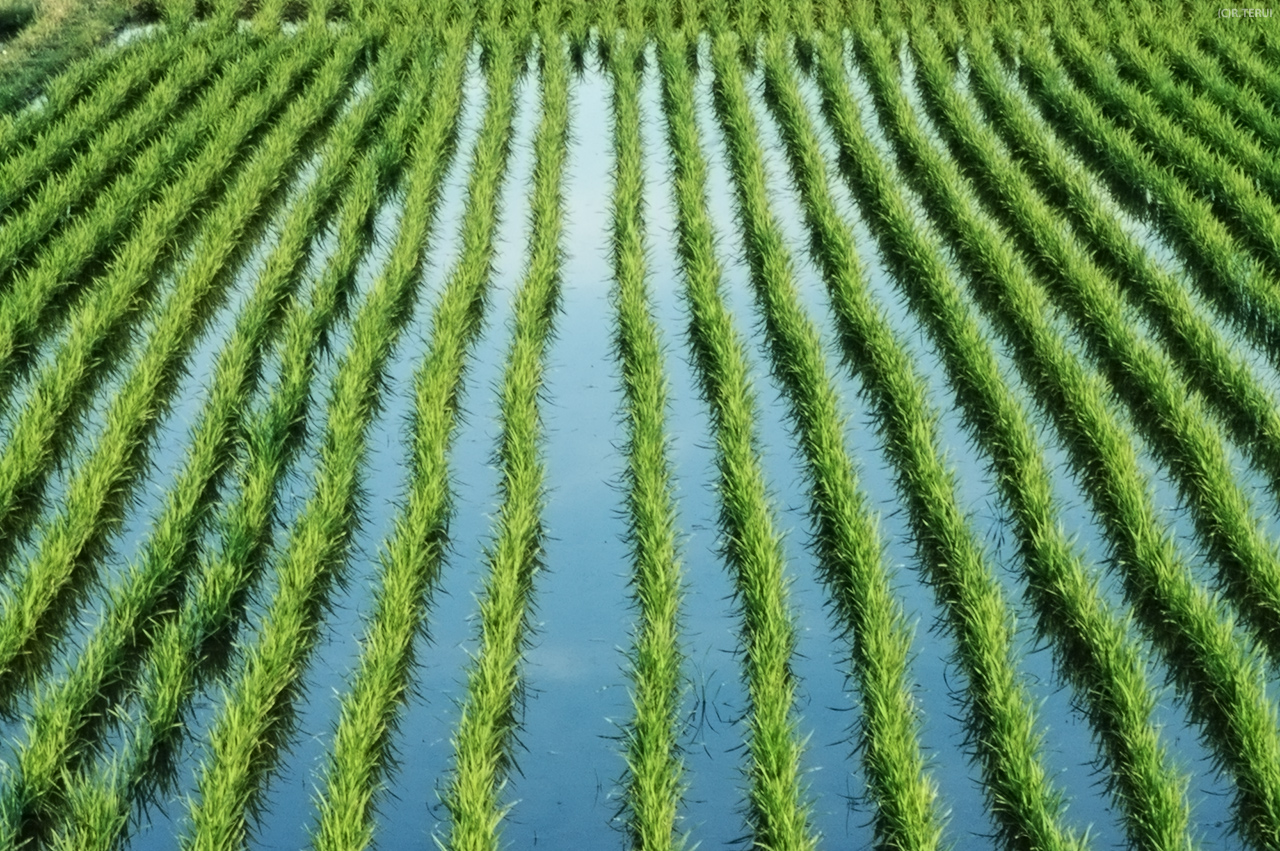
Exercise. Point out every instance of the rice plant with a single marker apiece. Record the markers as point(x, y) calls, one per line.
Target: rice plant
point(1089, 640)
point(1179, 617)
point(254, 717)
point(63, 720)
point(102, 327)
point(654, 785)
point(907, 810)
point(778, 811)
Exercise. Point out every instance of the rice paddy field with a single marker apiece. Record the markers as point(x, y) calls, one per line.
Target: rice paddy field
point(786, 425)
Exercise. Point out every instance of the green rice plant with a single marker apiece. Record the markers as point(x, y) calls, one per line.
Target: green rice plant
point(35, 607)
point(482, 739)
point(778, 807)
point(81, 78)
point(1229, 278)
point(851, 560)
point(64, 718)
point(44, 429)
point(192, 648)
point(1214, 127)
point(411, 564)
point(1244, 65)
point(33, 307)
point(53, 204)
point(1003, 727)
point(253, 722)
point(20, 170)
point(1168, 413)
point(654, 784)
point(1217, 671)
point(1234, 195)
point(1242, 403)
point(1091, 646)
point(1240, 101)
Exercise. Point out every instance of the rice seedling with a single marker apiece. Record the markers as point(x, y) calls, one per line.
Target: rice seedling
point(411, 564)
point(1007, 743)
point(654, 783)
point(907, 813)
point(1105, 668)
point(191, 648)
point(20, 170)
point(1210, 663)
point(61, 197)
point(1207, 76)
point(99, 329)
point(80, 78)
point(253, 721)
point(1234, 195)
point(1214, 127)
point(778, 811)
point(36, 606)
point(64, 718)
point(1232, 280)
point(1167, 413)
point(482, 739)
point(1244, 65)
point(1242, 403)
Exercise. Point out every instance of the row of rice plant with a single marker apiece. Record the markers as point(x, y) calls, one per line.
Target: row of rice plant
point(1166, 412)
point(412, 559)
point(45, 289)
point(157, 246)
point(254, 719)
point(44, 593)
point(1235, 195)
point(851, 558)
point(1206, 359)
point(655, 769)
point(1235, 283)
point(1216, 128)
point(1212, 77)
point(192, 649)
point(1006, 735)
point(1246, 66)
point(484, 734)
point(101, 329)
point(135, 72)
point(1179, 618)
point(1093, 652)
point(79, 80)
point(69, 189)
point(63, 718)
point(778, 811)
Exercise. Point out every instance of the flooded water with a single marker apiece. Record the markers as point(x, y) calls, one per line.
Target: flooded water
point(564, 791)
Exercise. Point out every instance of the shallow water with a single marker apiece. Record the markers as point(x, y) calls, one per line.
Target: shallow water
point(565, 790)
